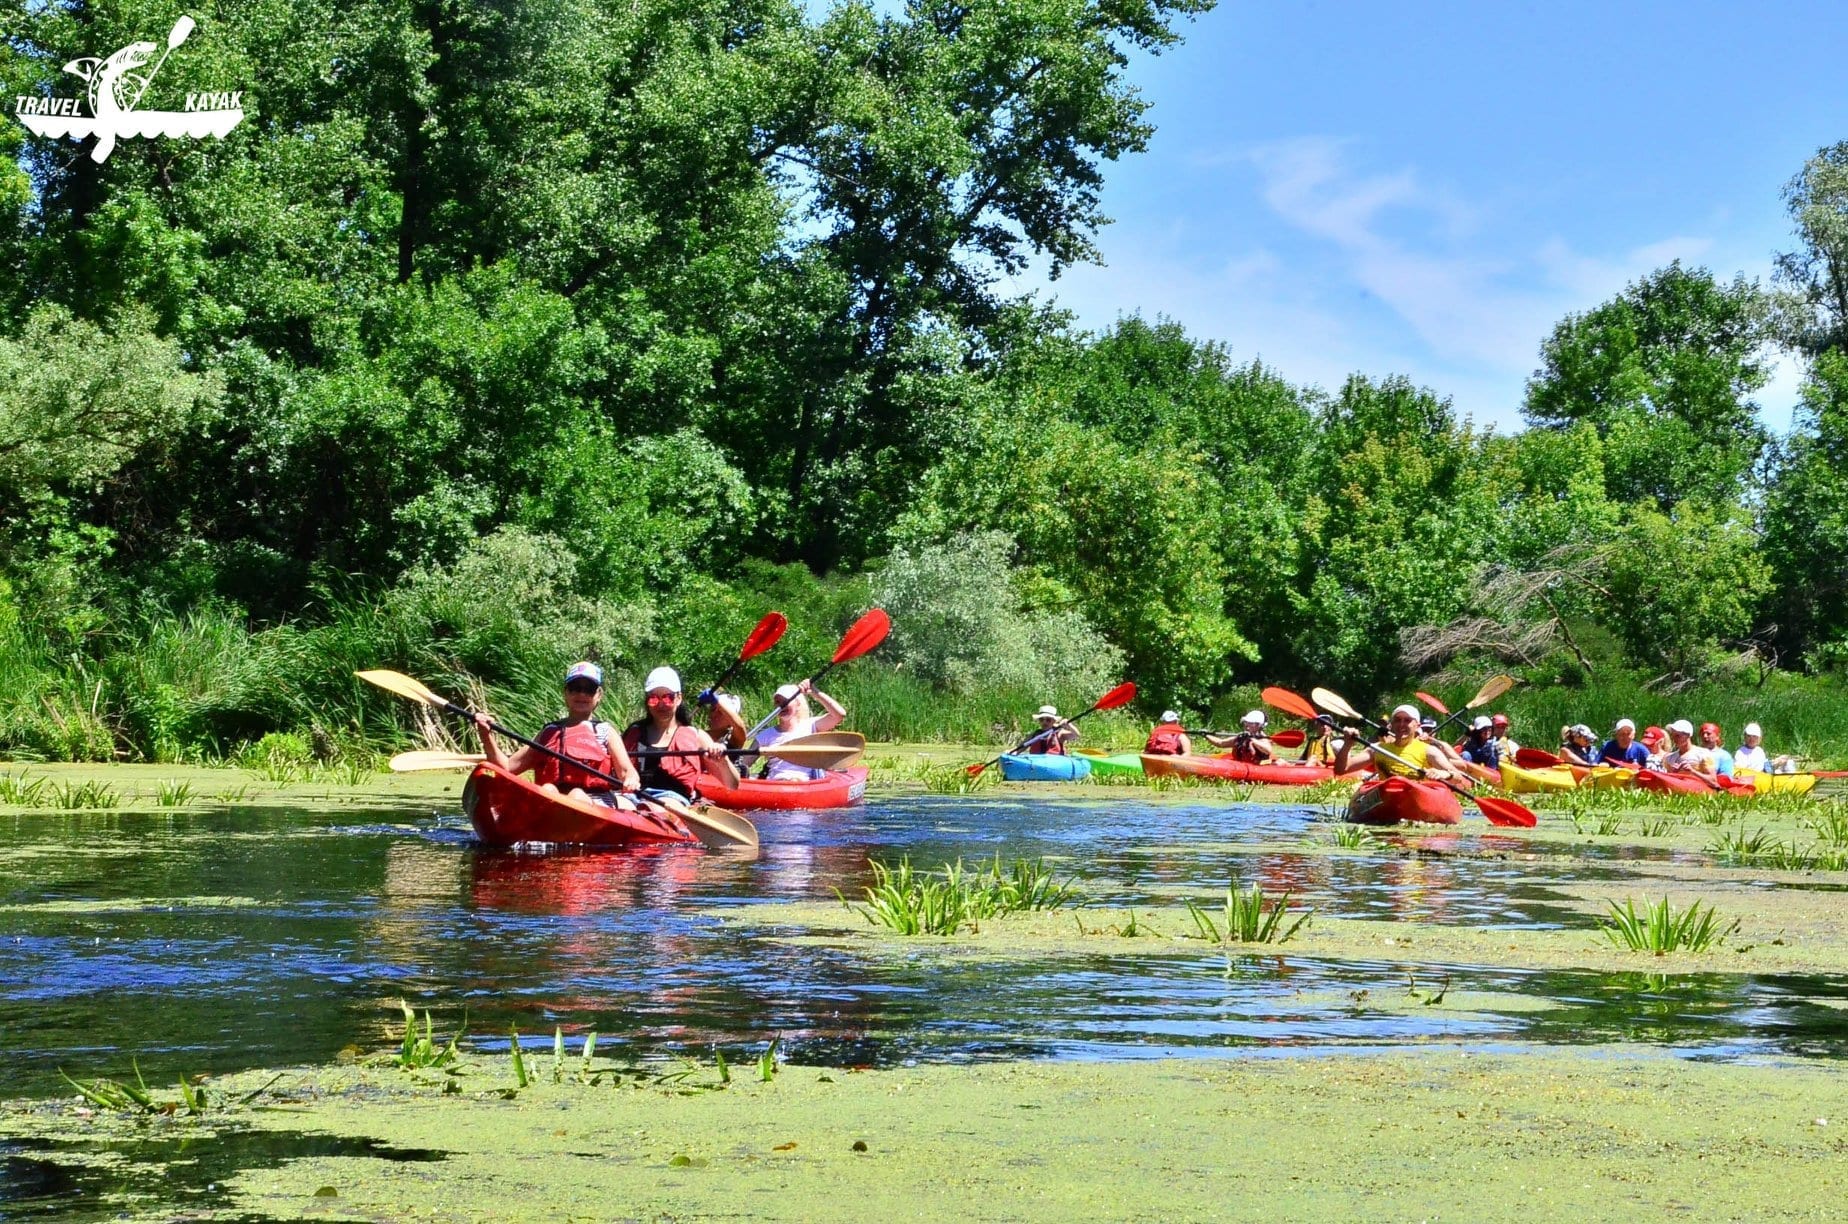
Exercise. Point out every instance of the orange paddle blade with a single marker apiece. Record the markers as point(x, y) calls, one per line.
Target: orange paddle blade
point(865, 633)
point(1534, 758)
point(768, 632)
point(1283, 699)
point(1121, 695)
point(1291, 738)
point(1505, 812)
point(1433, 702)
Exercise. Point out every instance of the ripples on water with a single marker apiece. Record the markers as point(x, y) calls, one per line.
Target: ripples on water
point(216, 940)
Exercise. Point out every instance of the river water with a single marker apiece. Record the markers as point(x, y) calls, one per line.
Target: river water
point(223, 938)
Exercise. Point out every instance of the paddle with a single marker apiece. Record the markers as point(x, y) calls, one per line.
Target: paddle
point(1433, 702)
point(1504, 812)
point(1283, 699)
point(861, 637)
point(1491, 688)
point(769, 631)
point(1289, 737)
point(728, 827)
point(826, 750)
point(412, 762)
point(1121, 695)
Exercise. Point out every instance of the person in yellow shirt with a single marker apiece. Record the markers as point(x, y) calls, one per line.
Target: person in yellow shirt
point(1419, 755)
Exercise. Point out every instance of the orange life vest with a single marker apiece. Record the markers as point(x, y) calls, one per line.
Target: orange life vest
point(675, 773)
point(587, 742)
point(1164, 740)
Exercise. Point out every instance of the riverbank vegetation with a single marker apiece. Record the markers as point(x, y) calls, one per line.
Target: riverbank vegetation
point(489, 341)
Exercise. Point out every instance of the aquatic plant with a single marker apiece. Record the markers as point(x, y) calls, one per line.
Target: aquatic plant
point(169, 793)
point(113, 1094)
point(1741, 845)
point(1351, 836)
point(766, 1062)
point(1246, 919)
point(944, 901)
point(1830, 823)
point(1660, 930)
point(22, 792)
point(234, 794)
point(1659, 827)
point(420, 1050)
point(83, 796)
point(724, 1068)
point(955, 780)
point(1610, 825)
point(520, 1078)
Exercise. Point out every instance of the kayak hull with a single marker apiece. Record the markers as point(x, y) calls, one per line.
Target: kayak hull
point(1044, 767)
point(1117, 765)
point(1225, 769)
point(1522, 781)
point(1781, 784)
point(839, 789)
point(507, 810)
point(1393, 800)
point(1689, 784)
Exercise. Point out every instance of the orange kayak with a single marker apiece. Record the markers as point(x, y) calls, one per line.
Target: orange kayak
point(507, 809)
point(1391, 800)
point(838, 789)
point(1225, 769)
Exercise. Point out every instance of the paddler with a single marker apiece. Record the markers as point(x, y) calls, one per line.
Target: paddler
point(1319, 742)
point(1751, 758)
point(579, 735)
point(1251, 745)
point(1403, 738)
point(1578, 746)
point(661, 729)
point(1055, 735)
point(1505, 745)
point(1622, 748)
point(793, 719)
point(1167, 739)
point(1686, 756)
point(1479, 747)
point(1714, 741)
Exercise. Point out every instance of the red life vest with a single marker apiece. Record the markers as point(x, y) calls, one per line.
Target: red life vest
point(675, 773)
point(586, 741)
point(1244, 748)
point(1164, 740)
point(1053, 744)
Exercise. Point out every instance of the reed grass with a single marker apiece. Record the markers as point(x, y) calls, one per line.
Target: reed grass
point(169, 793)
point(1658, 929)
point(953, 897)
point(1246, 918)
point(23, 791)
point(420, 1050)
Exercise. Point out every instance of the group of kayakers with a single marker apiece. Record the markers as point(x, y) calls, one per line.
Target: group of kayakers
point(1680, 748)
point(662, 750)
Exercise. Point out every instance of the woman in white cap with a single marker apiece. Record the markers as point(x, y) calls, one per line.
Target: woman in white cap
point(1621, 749)
point(1479, 748)
point(1167, 739)
point(794, 719)
point(1404, 739)
point(1251, 745)
point(661, 730)
point(1055, 736)
point(1751, 756)
point(580, 735)
point(1686, 756)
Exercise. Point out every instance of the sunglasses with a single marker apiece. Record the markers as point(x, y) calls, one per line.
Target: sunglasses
point(663, 699)
point(581, 686)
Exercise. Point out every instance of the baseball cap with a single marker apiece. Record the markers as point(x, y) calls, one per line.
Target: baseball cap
point(585, 671)
point(1169, 716)
point(787, 692)
point(1500, 720)
point(1482, 723)
point(662, 678)
point(1682, 726)
point(1253, 716)
point(1410, 711)
point(1653, 735)
point(732, 702)
point(1752, 729)
point(1624, 724)
point(1713, 727)
point(1047, 711)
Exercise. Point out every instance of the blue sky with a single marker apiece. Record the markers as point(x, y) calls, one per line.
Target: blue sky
point(1427, 188)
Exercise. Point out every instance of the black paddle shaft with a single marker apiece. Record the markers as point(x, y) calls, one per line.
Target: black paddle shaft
point(517, 738)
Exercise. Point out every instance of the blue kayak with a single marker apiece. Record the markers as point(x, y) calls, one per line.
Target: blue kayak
point(1041, 767)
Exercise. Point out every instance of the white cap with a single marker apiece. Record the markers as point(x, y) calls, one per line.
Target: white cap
point(662, 678)
point(732, 702)
point(585, 671)
point(1169, 716)
point(1482, 723)
point(1753, 729)
point(1410, 711)
point(787, 692)
point(1682, 725)
point(1624, 724)
point(1253, 716)
point(1047, 711)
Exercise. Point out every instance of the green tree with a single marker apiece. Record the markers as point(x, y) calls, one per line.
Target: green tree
point(1817, 198)
point(1806, 516)
point(1683, 584)
point(1664, 372)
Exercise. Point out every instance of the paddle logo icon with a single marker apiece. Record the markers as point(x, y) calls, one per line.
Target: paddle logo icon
point(115, 85)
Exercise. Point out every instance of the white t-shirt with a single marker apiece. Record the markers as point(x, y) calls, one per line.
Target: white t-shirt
point(783, 771)
point(1694, 757)
point(1750, 758)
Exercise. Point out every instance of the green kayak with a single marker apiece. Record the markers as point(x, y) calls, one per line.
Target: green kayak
point(1122, 765)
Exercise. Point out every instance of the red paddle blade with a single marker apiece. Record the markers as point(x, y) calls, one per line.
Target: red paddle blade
point(1534, 758)
point(1433, 702)
point(865, 633)
point(1290, 738)
point(1288, 702)
point(768, 632)
point(1121, 695)
point(1505, 812)
point(975, 771)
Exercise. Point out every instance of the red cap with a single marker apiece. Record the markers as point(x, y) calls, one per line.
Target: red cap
point(1653, 735)
point(1713, 727)
point(1500, 720)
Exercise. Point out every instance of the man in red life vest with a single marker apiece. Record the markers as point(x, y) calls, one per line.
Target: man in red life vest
point(1167, 739)
point(579, 735)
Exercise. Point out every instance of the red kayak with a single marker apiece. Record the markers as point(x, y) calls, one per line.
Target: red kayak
point(507, 809)
point(1391, 800)
point(1225, 769)
point(840, 788)
point(1689, 784)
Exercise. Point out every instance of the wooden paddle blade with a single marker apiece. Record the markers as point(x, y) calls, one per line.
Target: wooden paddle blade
point(1283, 699)
point(403, 686)
point(1433, 702)
point(714, 826)
point(1534, 758)
point(826, 739)
point(1505, 812)
point(1121, 695)
point(1491, 688)
point(1289, 738)
point(769, 631)
point(865, 633)
point(815, 756)
point(412, 762)
point(1336, 704)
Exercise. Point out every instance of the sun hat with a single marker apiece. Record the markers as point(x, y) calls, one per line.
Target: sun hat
point(585, 671)
point(1622, 723)
point(1681, 726)
point(1581, 729)
point(1482, 723)
point(1169, 716)
point(662, 678)
point(1428, 723)
point(1253, 716)
point(1753, 729)
point(1047, 711)
point(1500, 720)
point(1410, 711)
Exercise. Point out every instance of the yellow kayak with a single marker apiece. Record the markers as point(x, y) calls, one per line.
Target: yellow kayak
point(1780, 784)
point(1607, 777)
point(1537, 781)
